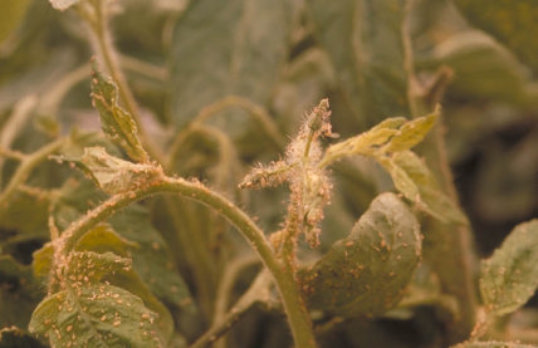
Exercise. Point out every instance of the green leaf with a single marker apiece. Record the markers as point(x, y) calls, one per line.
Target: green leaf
point(509, 21)
point(88, 267)
point(117, 123)
point(14, 337)
point(510, 277)
point(493, 344)
point(365, 274)
point(114, 175)
point(11, 15)
point(222, 48)
point(482, 68)
point(152, 259)
point(364, 42)
point(96, 315)
point(63, 5)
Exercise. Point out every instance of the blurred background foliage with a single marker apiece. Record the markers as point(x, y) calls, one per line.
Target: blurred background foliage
point(279, 58)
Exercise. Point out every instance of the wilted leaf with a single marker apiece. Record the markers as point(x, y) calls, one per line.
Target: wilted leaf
point(222, 48)
point(114, 175)
point(509, 21)
point(493, 344)
point(365, 273)
point(96, 316)
point(117, 123)
point(510, 277)
point(12, 13)
point(364, 42)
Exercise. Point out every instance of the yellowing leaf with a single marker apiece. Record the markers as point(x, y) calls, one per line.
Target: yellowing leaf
point(102, 239)
point(411, 133)
point(510, 277)
point(391, 135)
point(114, 175)
point(431, 199)
point(42, 260)
point(401, 179)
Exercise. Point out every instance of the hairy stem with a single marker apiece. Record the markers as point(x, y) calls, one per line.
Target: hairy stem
point(298, 316)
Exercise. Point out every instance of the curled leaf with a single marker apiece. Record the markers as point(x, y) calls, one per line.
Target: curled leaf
point(114, 175)
point(117, 123)
point(365, 274)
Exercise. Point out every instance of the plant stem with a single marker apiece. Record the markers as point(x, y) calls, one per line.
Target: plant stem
point(256, 292)
point(11, 128)
point(450, 250)
point(29, 162)
point(52, 99)
point(226, 284)
point(296, 311)
point(254, 110)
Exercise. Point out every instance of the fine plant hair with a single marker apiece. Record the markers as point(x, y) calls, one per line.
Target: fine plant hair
point(171, 235)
